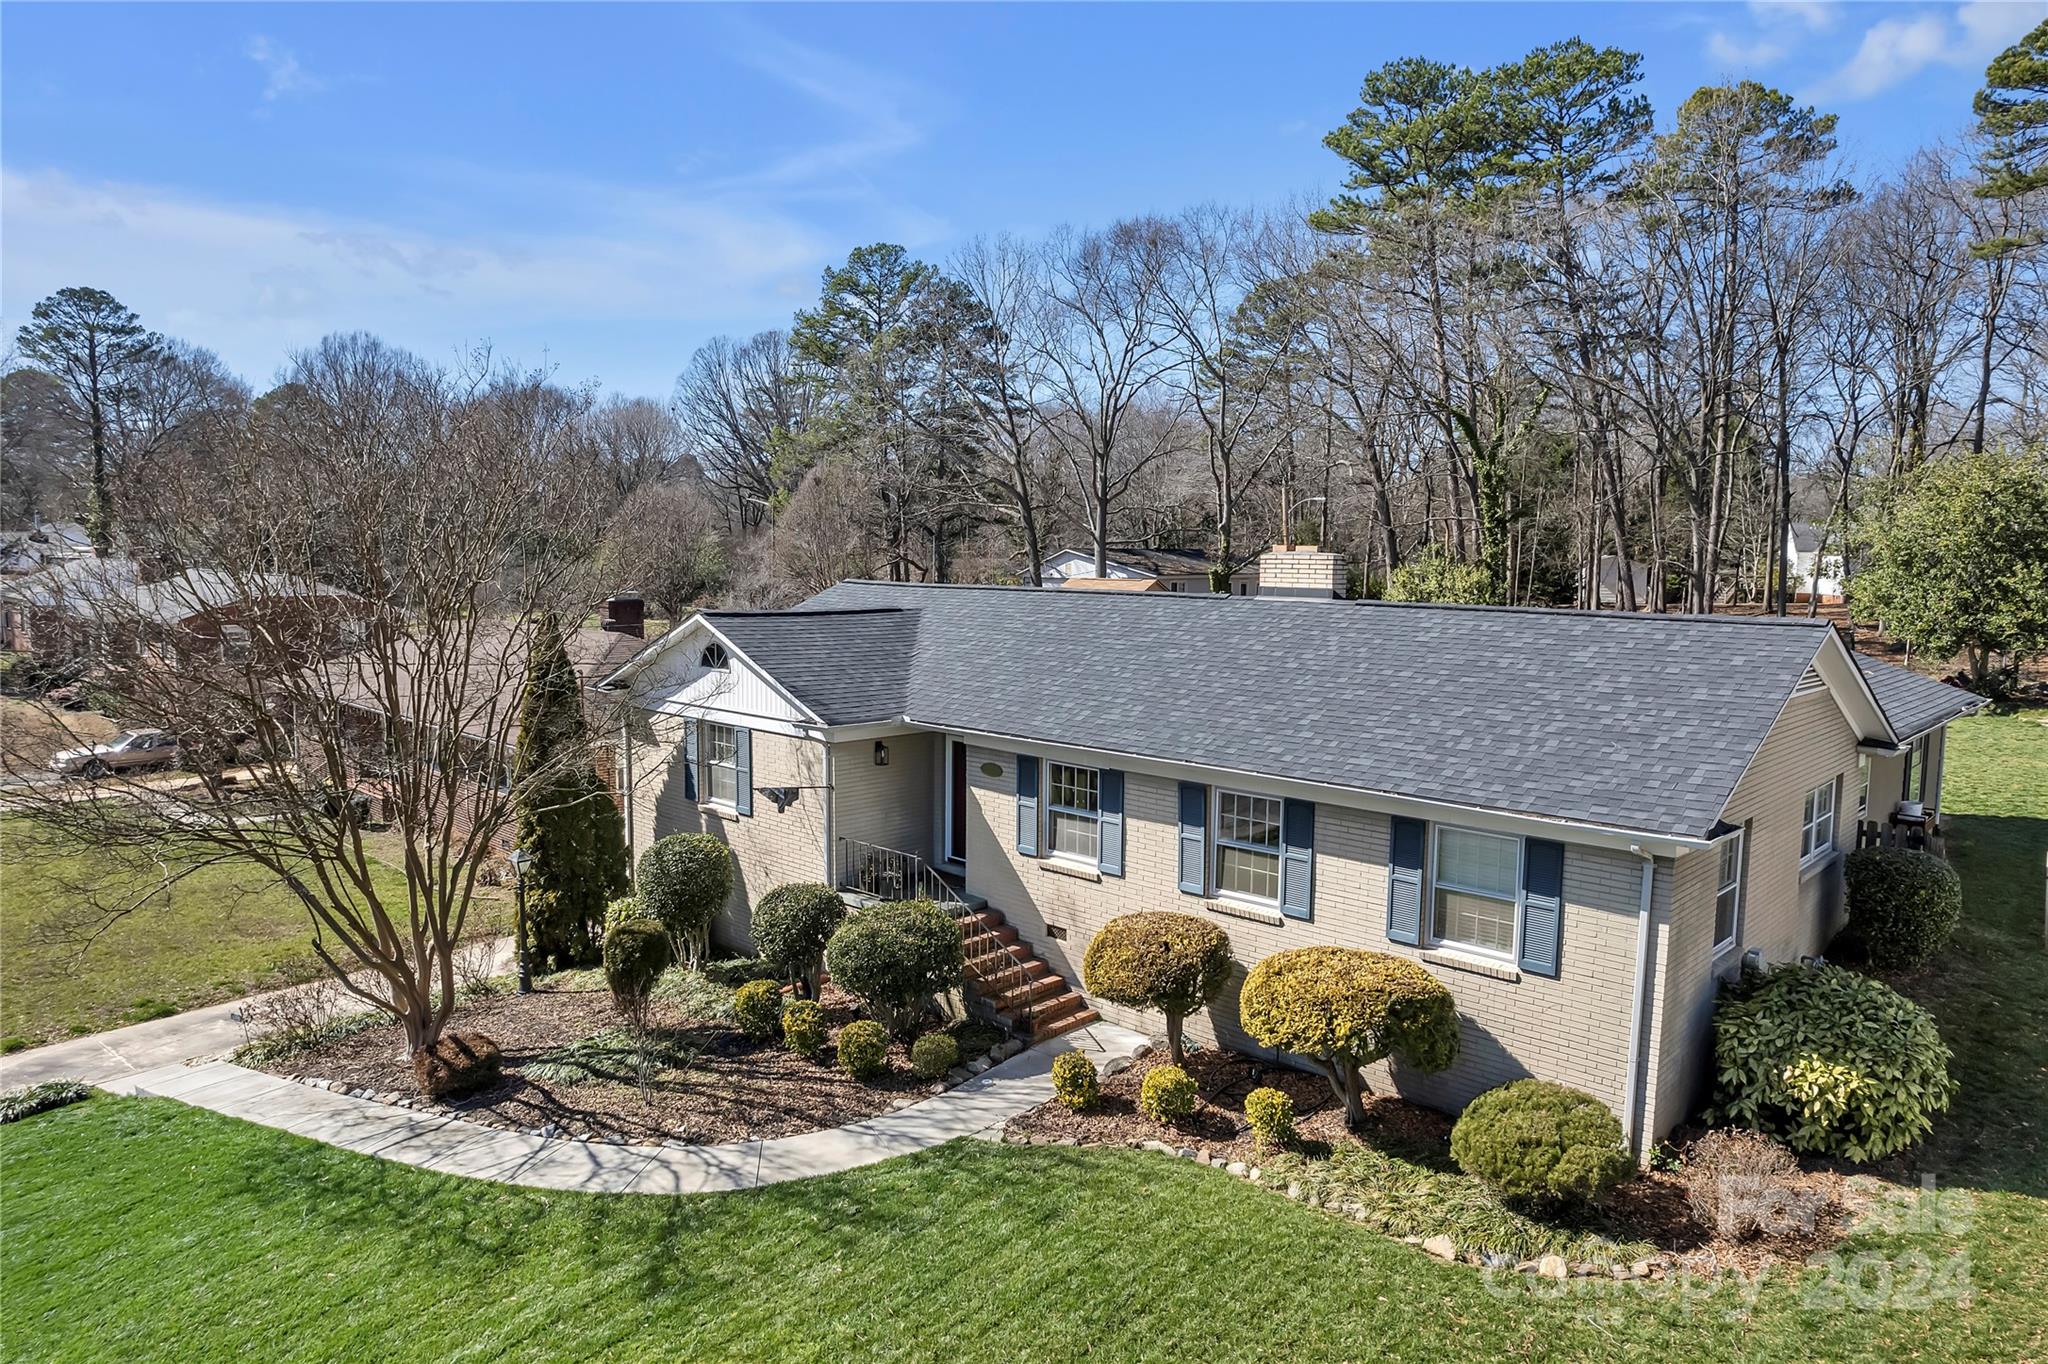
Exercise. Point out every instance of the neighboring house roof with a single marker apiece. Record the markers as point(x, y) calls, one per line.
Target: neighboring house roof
point(181, 596)
point(1805, 536)
point(1159, 563)
point(1913, 704)
point(1632, 721)
point(90, 586)
point(74, 585)
point(1610, 578)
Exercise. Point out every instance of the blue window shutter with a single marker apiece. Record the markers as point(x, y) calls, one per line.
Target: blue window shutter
point(690, 761)
point(1027, 805)
point(1542, 905)
point(1405, 847)
point(743, 765)
point(1298, 859)
point(1194, 837)
point(1110, 789)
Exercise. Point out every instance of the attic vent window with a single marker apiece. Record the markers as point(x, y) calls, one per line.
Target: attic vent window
point(714, 658)
point(1811, 682)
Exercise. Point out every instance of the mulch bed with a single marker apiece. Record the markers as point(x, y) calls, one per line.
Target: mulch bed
point(722, 1086)
point(1649, 1208)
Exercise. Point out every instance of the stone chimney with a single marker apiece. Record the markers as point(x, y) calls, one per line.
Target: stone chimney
point(1301, 571)
point(625, 614)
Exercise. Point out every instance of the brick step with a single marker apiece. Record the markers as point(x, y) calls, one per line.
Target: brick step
point(1006, 968)
point(1045, 986)
point(991, 940)
point(1062, 1014)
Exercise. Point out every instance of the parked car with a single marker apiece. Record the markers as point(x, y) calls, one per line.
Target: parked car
point(133, 751)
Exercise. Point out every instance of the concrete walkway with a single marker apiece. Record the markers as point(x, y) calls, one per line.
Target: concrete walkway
point(453, 1146)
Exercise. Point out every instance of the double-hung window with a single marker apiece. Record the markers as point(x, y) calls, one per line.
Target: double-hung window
point(1863, 787)
point(1728, 893)
point(1248, 846)
point(1476, 881)
point(1073, 812)
point(1817, 824)
point(718, 771)
point(1915, 787)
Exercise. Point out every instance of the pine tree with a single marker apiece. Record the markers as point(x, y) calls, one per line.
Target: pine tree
point(566, 817)
point(2012, 111)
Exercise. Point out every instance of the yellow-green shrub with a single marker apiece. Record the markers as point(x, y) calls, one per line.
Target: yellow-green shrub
point(1341, 1008)
point(1171, 963)
point(1270, 1114)
point(1074, 1080)
point(864, 1048)
point(1833, 1062)
point(1168, 1094)
point(758, 1007)
point(803, 1026)
point(1536, 1140)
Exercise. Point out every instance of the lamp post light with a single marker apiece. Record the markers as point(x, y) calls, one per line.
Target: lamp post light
point(521, 859)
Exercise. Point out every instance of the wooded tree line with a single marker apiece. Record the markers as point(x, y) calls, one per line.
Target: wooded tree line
point(1534, 330)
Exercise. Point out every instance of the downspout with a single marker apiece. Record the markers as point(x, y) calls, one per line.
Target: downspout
point(1631, 1102)
point(626, 780)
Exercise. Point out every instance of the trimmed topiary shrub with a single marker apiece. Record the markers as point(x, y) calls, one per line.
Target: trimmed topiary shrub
point(1903, 905)
point(803, 1026)
point(1545, 1142)
point(933, 1055)
point(1833, 1062)
point(1269, 1113)
point(1074, 1080)
point(1341, 1008)
point(895, 957)
point(791, 926)
point(758, 1007)
point(864, 1048)
point(1170, 963)
point(636, 952)
point(1740, 1184)
point(1168, 1094)
point(458, 1063)
point(684, 880)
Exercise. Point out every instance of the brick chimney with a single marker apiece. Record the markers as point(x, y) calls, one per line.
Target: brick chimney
point(1301, 571)
point(625, 614)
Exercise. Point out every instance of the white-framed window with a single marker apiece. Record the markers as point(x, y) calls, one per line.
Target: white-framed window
point(1915, 787)
point(1817, 823)
point(1248, 846)
point(1073, 812)
point(713, 657)
point(234, 642)
point(1475, 890)
point(1728, 893)
point(1862, 787)
point(718, 768)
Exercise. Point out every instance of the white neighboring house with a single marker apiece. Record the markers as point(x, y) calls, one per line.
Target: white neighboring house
point(1802, 552)
point(1160, 570)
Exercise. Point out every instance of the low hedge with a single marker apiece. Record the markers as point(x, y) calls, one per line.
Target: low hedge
point(1535, 1140)
point(1833, 1062)
point(1903, 905)
point(864, 1048)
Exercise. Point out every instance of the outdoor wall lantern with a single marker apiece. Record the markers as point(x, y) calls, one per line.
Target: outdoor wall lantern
point(881, 754)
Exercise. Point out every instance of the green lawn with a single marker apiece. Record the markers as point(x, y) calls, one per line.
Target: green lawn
point(148, 1230)
point(216, 934)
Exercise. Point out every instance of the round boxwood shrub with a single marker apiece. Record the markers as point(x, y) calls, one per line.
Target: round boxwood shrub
point(1341, 1008)
point(803, 1026)
point(1833, 1062)
point(1269, 1113)
point(1903, 905)
point(758, 1007)
point(791, 926)
point(1170, 963)
point(864, 1048)
point(1074, 1080)
point(684, 880)
point(933, 1055)
point(1544, 1142)
point(1168, 1094)
point(636, 952)
point(895, 957)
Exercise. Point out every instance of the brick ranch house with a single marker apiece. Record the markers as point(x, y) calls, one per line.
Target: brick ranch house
point(1581, 822)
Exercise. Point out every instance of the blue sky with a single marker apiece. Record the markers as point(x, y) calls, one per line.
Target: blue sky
point(601, 188)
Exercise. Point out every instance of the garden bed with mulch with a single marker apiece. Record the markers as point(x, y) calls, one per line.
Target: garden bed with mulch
point(1396, 1174)
point(571, 1068)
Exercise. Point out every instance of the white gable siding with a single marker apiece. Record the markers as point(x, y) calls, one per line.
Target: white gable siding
point(674, 684)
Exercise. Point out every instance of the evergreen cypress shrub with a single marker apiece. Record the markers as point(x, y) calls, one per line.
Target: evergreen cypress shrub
point(1168, 1094)
point(758, 1007)
point(1170, 963)
point(1269, 1113)
point(1075, 1082)
point(803, 1026)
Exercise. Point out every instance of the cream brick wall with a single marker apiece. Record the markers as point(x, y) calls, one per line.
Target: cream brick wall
point(770, 848)
point(1573, 1029)
point(891, 806)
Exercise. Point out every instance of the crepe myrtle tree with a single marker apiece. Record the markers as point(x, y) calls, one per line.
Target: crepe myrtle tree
point(385, 538)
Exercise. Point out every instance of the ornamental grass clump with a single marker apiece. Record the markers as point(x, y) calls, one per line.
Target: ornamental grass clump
point(1341, 1008)
point(1740, 1184)
point(1542, 1142)
point(1269, 1113)
point(1903, 905)
point(896, 957)
point(791, 926)
point(1831, 1061)
point(1168, 1095)
point(1170, 963)
point(758, 1007)
point(1075, 1082)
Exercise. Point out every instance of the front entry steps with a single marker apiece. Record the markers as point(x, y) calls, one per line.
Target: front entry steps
point(1006, 977)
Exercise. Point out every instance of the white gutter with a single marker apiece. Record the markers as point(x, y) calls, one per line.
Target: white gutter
point(1631, 1101)
point(626, 777)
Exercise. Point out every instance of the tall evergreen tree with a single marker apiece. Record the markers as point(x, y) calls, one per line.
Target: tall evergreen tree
point(566, 817)
point(2012, 111)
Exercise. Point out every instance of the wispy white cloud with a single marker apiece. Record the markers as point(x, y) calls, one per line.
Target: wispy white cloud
point(1900, 46)
point(1816, 16)
point(1735, 54)
point(283, 75)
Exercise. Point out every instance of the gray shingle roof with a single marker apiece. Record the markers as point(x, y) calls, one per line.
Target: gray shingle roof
point(1805, 536)
point(1641, 722)
point(1912, 703)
